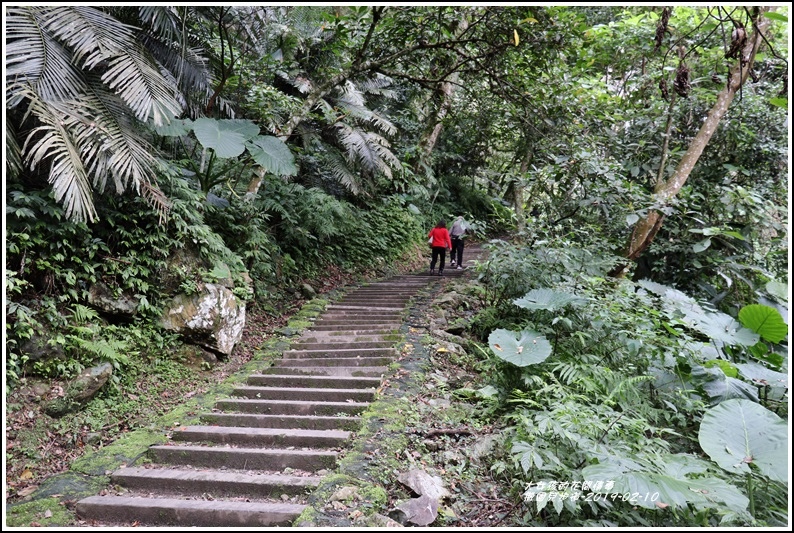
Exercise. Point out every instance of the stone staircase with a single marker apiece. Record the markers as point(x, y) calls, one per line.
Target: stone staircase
point(260, 453)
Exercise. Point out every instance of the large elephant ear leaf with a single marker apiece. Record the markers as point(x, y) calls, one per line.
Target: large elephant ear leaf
point(273, 154)
point(546, 299)
point(778, 290)
point(764, 320)
point(722, 327)
point(175, 128)
point(226, 137)
point(522, 349)
point(738, 433)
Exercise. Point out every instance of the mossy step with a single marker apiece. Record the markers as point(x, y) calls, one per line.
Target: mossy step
point(331, 309)
point(330, 382)
point(338, 343)
point(333, 351)
point(243, 458)
point(370, 303)
point(252, 420)
point(354, 329)
point(284, 407)
point(252, 436)
point(219, 484)
point(332, 360)
point(304, 393)
point(176, 512)
point(343, 371)
point(342, 321)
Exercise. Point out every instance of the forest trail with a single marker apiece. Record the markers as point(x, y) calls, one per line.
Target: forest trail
point(259, 454)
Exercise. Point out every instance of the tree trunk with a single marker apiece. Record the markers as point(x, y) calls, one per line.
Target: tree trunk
point(646, 229)
point(434, 125)
point(433, 129)
point(518, 188)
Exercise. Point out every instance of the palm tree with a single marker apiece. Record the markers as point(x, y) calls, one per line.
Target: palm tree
point(81, 90)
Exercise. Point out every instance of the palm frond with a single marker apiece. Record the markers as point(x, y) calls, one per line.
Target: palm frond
point(67, 174)
point(368, 149)
point(351, 94)
point(377, 86)
point(163, 20)
point(13, 152)
point(364, 114)
point(110, 144)
point(339, 169)
point(36, 59)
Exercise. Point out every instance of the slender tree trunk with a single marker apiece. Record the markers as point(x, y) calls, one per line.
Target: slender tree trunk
point(435, 123)
point(518, 188)
point(646, 228)
point(433, 130)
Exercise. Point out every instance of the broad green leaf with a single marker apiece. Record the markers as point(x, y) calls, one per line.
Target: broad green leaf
point(654, 491)
point(779, 102)
point(762, 375)
point(778, 290)
point(764, 320)
point(722, 327)
point(775, 16)
point(226, 137)
point(738, 433)
point(175, 128)
point(546, 299)
point(273, 154)
point(522, 349)
point(701, 246)
point(727, 368)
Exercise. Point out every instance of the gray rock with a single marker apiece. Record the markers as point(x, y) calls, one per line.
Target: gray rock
point(103, 298)
point(421, 511)
point(80, 389)
point(378, 520)
point(424, 484)
point(483, 447)
point(38, 348)
point(213, 318)
point(308, 291)
point(344, 494)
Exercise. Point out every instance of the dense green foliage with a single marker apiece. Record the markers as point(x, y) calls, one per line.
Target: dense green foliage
point(611, 382)
point(154, 149)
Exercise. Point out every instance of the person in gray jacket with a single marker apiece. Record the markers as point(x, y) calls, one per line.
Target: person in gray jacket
point(457, 233)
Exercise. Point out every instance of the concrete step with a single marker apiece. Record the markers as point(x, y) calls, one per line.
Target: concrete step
point(304, 393)
point(332, 310)
point(333, 361)
point(243, 458)
point(339, 352)
point(336, 336)
point(340, 344)
point(354, 329)
point(317, 382)
point(216, 483)
point(370, 303)
point(342, 321)
point(343, 371)
point(248, 420)
point(252, 436)
point(366, 308)
point(199, 513)
point(279, 407)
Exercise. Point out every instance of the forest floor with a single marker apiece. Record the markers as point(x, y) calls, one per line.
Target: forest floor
point(440, 439)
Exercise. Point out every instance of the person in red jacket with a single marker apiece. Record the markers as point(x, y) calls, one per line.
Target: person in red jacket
point(440, 244)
